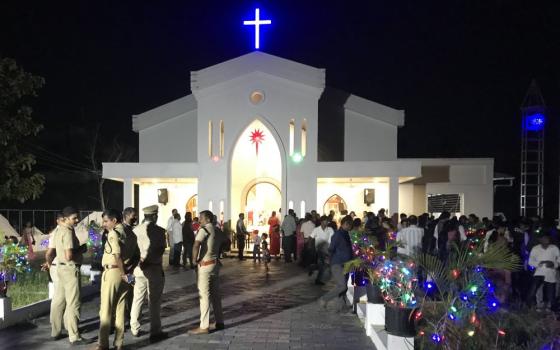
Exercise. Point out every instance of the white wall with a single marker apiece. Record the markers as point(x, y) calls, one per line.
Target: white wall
point(368, 139)
point(412, 199)
point(178, 195)
point(174, 140)
point(284, 100)
point(473, 178)
point(353, 195)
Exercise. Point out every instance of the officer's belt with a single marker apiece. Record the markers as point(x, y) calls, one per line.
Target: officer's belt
point(65, 264)
point(207, 262)
point(109, 267)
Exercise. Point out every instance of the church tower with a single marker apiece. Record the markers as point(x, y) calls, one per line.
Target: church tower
point(533, 121)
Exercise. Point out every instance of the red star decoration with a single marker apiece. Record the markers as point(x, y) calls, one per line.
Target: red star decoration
point(257, 137)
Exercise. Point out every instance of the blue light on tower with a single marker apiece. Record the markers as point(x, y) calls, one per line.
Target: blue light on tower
point(257, 22)
point(535, 122)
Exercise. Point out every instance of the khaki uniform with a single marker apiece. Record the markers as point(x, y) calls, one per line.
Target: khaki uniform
point(209, 275)
point(68, 286)
point(149, 276)
point(52, 269)
point(113, 292)
point(53, 272)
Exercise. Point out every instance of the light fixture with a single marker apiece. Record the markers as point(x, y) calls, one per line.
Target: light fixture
point(297, 157)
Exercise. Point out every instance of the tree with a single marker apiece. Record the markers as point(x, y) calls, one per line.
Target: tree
point(17, 179)
point(112, 150)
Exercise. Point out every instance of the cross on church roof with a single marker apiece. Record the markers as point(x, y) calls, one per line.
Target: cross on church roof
point(257, 22)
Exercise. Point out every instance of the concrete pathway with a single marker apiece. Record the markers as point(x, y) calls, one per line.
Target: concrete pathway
point(278, 310)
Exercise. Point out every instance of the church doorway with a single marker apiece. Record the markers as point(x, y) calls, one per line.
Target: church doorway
point(192, 205)
point(256, 176)
point(335, 203)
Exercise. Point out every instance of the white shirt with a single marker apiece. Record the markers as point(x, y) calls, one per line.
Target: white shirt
point(538, 254)
point(307, 228)
point(169, 227)
point(257, 241)
point(411, 237)
point(176, 231)
point(322, 237)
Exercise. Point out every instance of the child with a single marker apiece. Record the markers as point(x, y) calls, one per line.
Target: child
point(257, 247)
point(265, 251)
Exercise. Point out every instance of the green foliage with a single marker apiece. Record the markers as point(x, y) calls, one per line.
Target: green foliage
point(17, 180)
point(30, 288)
point(451, 279)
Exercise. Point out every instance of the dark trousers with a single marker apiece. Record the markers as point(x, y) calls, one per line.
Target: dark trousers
point(256, 252)
point(187, 253)
point(288, 243)
point(321, 265)
point(549, 291)
point(177, 247)
point(240, 248)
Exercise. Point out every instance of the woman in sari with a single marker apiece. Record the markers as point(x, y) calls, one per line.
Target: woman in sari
point(28, 240)
point(274, 233)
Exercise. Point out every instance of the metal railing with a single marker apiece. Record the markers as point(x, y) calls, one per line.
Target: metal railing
point(44, 220)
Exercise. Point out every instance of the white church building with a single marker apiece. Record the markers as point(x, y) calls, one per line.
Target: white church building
point(247, 140)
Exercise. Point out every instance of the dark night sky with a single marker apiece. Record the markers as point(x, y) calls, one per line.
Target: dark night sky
point(460, 69)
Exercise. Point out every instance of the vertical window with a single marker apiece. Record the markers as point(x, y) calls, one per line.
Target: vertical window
point(210, 138)
point(292, 130)
point(210, 206)
point(304, 137)
point(290, 205)
point(302, 209)
point(221, 138)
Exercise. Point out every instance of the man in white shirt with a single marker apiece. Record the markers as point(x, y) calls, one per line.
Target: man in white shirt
point(411, 237)
point(322, 235)
point(169, 229)
point(544, 258)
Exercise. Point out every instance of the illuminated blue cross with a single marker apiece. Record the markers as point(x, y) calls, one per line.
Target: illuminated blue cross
point(257, 23)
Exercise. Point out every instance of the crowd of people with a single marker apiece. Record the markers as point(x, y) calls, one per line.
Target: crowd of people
point(309, 240)
point(132, 271)
point(133, 253)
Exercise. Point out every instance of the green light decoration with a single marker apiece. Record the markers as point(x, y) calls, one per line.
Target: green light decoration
point(297, 157)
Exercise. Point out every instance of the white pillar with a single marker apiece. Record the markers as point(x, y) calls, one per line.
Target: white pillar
point(128, 193)
point(393, 195)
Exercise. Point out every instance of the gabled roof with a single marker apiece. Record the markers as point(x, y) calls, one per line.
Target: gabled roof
point(375, 110)
point(257, 61)
point(164, 112)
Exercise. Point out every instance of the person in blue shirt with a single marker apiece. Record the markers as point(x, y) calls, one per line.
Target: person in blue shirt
point(340, 251)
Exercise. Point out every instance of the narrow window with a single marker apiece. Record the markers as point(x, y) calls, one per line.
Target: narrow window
point(302, 209)
point(291, 205)
point(210, 138)
point(292, 130)
point(221, 138)
point(304, 137)
point(210, 205)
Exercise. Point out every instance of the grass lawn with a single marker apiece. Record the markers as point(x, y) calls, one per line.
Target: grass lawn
point(29, 288)
point(33, 286)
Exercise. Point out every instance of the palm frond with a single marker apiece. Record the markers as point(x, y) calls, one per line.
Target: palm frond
point(497, 256)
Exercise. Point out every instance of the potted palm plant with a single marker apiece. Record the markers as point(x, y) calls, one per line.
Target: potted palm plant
point(465, 301)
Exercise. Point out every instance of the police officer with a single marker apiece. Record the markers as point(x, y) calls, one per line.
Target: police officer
point(50, 256)
point(209, 241)
point(149, 278)
point(69, 255)
point(113, 282)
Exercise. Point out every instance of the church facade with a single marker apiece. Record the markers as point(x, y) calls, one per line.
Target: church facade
point(247, 140)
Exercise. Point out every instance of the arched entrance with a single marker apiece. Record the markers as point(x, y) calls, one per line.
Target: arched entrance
point(259, 200)
point(256, 176)
point(336, 203)
point(192, 205)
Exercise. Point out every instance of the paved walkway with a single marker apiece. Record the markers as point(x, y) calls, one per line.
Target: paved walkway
point(277, 310)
